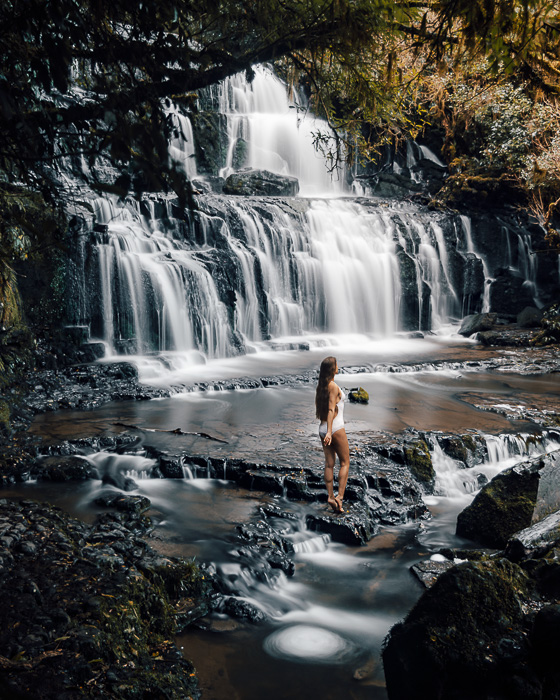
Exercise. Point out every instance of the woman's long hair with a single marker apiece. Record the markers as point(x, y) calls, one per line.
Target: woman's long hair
point(326, 375)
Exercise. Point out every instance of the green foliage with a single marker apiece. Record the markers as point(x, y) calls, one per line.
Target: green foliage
point(550, 323)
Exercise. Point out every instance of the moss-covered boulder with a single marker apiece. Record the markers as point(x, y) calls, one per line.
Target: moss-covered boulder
point(358, 395)
point(419, 461)
point(465, 639)
point(512, 501)
point(91, 611)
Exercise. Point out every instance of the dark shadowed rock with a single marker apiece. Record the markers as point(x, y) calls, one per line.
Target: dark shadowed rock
point(512, 501)
point(476, 323)
point(66, 468)
point(530, 317)
point(464, 638)
point(509, 294)
point(261, 183)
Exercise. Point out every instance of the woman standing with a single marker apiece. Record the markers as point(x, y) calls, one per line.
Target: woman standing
point(329, 405)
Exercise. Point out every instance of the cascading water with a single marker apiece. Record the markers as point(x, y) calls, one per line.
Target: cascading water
point(241, 274)
point(268, 131)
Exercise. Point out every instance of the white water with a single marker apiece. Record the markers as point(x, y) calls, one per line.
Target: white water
point(278, 132)
point(246, 275)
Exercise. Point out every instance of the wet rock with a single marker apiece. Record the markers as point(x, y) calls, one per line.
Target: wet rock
point(66, 468)
point(242, 609)
point(358, 395)
point(171, 468)
point(428, 572)
point(508, 502)
point(468, 449)
point(419, 461)
point(535, 540)
point(457, 631)
point(356, 526)
point(509, 294)
point(529, 317)
point(476, 323)
point(261, 183)
point(129, 504)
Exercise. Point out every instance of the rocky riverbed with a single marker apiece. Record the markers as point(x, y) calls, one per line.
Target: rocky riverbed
point(110, 560)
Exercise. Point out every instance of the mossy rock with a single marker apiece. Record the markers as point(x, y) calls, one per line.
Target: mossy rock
point(419, 461)
point(358, 395)
point(503, 506)
point(455, 643)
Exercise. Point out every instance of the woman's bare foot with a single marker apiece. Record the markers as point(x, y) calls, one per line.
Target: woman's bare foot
point(336, 504)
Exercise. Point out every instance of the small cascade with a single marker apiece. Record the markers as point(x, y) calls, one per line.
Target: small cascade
point(453, 480)
point(156, 295)
point(269, 131)
point(467, 232)
point(181, 144)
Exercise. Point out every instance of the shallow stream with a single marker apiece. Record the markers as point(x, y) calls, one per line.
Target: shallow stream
point(327, 622)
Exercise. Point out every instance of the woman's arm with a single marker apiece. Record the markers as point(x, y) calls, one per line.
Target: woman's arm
point(333, 398)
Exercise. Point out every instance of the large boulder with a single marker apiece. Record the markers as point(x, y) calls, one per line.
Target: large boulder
point(475, 323)
point(261, 183)
point(509, 294)
point(514, 499)
point(529, 317)
point(465, 639)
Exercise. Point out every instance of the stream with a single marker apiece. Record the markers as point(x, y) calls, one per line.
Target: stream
point(325, 625)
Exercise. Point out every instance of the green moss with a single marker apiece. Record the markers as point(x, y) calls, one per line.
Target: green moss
point(466, 605)
point(419, 461)
point(504, 506)
point(358, 395)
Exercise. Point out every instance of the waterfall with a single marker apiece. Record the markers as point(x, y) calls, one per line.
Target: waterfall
point(240, 274)
point(268, 131)
point(467, 232)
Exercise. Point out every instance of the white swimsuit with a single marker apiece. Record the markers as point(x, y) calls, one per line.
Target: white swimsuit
point(338, 421)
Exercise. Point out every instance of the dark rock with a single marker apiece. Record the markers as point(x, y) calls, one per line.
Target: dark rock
point(417, 457)
point(355, 527)
point(129, 504)
point(242, 609)
point(476, 323)
point(544, 639)
point(530, 317)
point(261, 183)
point(509, 294)
point(428, 572)
point(536, 539)
point(66, 468)
point(457, 631)
point(210, 138)
point(505, 505)
point(171, 468)
point(473, 284)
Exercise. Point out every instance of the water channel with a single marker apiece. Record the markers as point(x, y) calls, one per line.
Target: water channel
point(326, 624)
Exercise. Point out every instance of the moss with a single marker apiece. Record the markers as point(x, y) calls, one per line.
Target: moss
point(455, 631)
point(4, 415)
point(358, 395)
point(419, 461)
point(504, 506)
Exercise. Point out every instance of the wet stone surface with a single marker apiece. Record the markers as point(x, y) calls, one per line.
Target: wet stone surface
point(89, 610)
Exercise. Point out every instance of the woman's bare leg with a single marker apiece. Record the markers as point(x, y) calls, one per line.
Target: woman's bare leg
point(330, 459)
point(342, 450)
